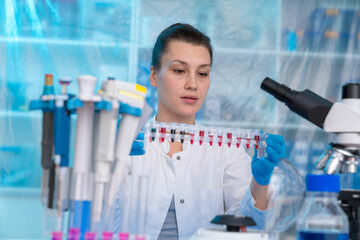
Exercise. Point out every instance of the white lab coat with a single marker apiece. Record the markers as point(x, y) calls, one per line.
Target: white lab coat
point(205, 180)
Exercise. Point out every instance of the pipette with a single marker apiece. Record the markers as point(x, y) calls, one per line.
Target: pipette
point(132, 97)
point(61, 178)
point(81, 205)
point(46, 103)
point(142, 207)
point(56, 235)
point(104, 149)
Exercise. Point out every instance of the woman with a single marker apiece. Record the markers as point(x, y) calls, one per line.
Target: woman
point(189, 184)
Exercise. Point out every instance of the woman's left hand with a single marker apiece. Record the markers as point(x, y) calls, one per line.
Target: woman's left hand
point(263, 167)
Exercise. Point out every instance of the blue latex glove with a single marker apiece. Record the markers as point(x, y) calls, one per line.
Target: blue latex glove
point(138, 146)
point(262, 168)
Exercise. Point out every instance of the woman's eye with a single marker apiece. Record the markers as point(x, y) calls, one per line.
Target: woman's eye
point(203, 74)
point(179, 71)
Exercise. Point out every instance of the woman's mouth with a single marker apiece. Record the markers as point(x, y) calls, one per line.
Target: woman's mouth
point(189, 99)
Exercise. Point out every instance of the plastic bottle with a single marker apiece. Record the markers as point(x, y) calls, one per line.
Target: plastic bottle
point(321, 216)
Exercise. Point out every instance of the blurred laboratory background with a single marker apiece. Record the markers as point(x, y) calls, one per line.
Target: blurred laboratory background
point(305, 44)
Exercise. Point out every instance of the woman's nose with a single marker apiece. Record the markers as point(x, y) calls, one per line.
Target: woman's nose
point(191, 82)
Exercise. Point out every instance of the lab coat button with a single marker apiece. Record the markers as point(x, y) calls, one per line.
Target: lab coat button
point(178, 157)
point(182, 200)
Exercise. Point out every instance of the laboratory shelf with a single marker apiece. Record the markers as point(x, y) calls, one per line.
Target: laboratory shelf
point(233, 124)
point(13, 191)
point(52, 41)
point(30, 114)
point(302, 54)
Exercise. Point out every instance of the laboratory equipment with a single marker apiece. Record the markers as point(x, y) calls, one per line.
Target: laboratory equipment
point(104, 155)
point(46, 103)
point(350, 203)
point(286, 195)
point(60, 175)
point(82, 174)
point(143, 185)
point(132, 98)
point(198, 134)
point(341, 118)
point(321, 217)
point(234, 229)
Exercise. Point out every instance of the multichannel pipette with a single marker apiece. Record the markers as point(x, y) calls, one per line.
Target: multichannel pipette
point(132, 98)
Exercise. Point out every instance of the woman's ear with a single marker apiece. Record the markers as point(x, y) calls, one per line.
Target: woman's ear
point(153, 77)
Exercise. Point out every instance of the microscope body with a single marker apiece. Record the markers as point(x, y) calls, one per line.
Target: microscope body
point(341, 118)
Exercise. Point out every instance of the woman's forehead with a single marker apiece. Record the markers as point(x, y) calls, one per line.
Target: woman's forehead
point(179, 51)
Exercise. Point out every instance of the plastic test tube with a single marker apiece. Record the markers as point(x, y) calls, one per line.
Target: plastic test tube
point(192, 133)
point(201, 135)
point(229, 136)
point(238, 137)
point(153, 131)
point(172, 131)
point(182, 127)
point(256, 138)
point(211, 135)
point(261, 152)
point(162, 131)
point(248, 138)
point(220, 132)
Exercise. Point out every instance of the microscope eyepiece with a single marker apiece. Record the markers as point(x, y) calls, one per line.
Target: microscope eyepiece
point(351, 90)
point(306, 103)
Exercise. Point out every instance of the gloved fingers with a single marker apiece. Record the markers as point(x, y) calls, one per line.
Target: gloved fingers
point(278, 138)
point(137, 145)
point(280, 149)
point(273, 155)
point(140, 136)
point(277, 143)
point(137, 152)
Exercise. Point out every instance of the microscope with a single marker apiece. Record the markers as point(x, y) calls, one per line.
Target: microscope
point(341, 118)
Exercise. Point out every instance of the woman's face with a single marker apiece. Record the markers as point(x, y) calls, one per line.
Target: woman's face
point(182, 82)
